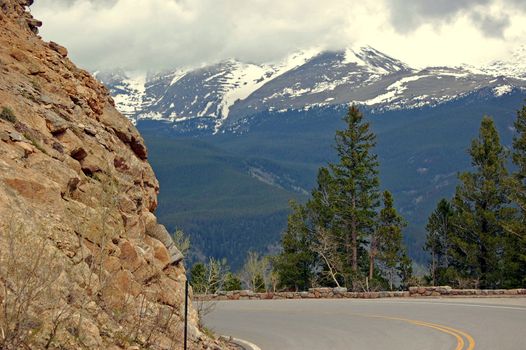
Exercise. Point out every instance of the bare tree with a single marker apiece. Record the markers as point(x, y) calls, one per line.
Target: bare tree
point(255, 271)
point(209, 280)
point(326, 247)
point(182, 241)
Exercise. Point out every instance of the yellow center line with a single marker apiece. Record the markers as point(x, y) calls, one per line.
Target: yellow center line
point(469, 338)
point(460, 340)
point(458, 334)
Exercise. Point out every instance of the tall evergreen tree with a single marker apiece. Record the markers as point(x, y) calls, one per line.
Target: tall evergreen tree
point(519, 152)
point(321, 205)
point(328, 238)
point(326, 242)
point(389, 249)
point(405, 270)
point(356, 179)
point(480, 204)
point(294, 265)
point(515, 258)
point(439, 227)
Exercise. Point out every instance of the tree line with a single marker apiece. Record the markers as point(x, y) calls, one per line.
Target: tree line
point(349, 234)
point(477, 239)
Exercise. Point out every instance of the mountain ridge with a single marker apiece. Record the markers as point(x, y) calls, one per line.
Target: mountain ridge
point(216, 96)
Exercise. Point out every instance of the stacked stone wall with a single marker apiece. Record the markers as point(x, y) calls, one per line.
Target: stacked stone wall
point(341, 293)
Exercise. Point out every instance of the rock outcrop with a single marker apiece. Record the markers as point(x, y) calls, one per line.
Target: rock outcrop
point(81, 252)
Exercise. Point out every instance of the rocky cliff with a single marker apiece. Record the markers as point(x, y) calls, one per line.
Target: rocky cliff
point(83, 261)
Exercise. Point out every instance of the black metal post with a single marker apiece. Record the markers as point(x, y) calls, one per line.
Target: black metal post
point(185, 314)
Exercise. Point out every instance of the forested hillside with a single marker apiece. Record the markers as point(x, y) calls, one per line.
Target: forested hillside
point(420, 152)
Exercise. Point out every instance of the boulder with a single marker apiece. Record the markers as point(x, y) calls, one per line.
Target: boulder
point(160, 233)
point(61, 50)
point(339, 290)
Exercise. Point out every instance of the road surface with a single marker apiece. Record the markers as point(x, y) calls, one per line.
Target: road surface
point(357, 324)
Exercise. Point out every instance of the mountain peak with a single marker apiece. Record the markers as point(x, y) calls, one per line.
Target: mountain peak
point(378, 62)
point(227, 92)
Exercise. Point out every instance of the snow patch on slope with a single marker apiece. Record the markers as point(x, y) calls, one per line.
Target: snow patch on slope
point(393, 90)
point(178, 75)
point(243, 79)
point(293, 61)
point(502, 90)
point(130, 93)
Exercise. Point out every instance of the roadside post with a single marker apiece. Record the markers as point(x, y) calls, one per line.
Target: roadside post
point(185, 314)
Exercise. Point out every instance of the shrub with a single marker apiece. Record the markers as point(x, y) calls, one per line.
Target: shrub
point(29, 269)
point(7, 114)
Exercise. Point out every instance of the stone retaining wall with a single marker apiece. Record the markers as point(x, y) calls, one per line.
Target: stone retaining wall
point(338, 293)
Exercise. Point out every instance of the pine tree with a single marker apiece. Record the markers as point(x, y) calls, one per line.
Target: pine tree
point(515, 257)
point(388, 247)
point(198, 278)
point(321, 205)
point(480, 204)
point(294, 265)
point(231, 283)
point(326, 242)
point(405, 270)
point(439, 227)
point(327, 239)
point(519, 152)
point(356, 180)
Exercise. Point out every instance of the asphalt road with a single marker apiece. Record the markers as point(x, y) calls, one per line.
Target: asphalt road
point(354, 324)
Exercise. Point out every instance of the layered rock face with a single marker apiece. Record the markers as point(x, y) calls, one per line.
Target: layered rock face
point(83, 261)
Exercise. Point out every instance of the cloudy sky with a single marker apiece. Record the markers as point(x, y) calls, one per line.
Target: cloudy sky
point(158, 34)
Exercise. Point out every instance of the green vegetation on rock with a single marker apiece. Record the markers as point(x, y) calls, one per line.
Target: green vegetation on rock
point(8, 115)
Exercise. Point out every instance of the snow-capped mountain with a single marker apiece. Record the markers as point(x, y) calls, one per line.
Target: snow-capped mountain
point(219, 95)
point(127, 89)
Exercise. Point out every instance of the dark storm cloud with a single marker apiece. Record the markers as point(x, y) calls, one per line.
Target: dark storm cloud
point(520, 4)
point(490, 25)
point(407, 15)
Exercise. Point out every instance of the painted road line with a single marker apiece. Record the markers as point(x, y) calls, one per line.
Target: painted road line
point(243, 343)
point(469, 338)
point(457, 334)
point(419, 301)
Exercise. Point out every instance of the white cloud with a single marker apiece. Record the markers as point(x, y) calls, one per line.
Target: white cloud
point(153, 34)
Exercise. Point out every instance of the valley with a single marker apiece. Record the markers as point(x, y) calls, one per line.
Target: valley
point(234, 164)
